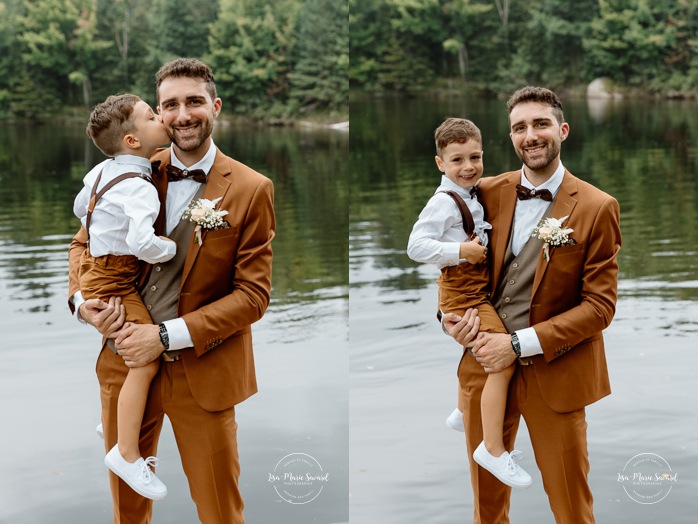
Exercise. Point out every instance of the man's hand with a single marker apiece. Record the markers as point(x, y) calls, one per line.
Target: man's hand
point(464, 329)
point(107, 317)
point(139, 344)
point(493, 351)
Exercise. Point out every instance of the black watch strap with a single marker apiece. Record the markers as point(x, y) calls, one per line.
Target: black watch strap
point(515, 344)
point(164, 337)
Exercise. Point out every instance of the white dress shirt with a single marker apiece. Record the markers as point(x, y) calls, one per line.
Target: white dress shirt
point(122, 221)
point(527, 216)
point(179, 196)
point(438, 233)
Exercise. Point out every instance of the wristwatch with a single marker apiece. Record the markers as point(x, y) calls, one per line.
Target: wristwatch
point(515, 344)
point(164, 337)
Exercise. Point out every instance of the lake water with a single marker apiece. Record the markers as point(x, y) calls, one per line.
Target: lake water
point(51, 460)
point(406, 466)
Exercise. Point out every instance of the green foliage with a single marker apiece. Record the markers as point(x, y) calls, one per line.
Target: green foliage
point(320, 75)
point(60, 53)
point(402, 45)
point(250, 43)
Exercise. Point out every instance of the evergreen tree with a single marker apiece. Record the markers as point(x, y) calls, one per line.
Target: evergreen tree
point(178, 30)
point(10, 59)
point(251, 42)
point(320, 75)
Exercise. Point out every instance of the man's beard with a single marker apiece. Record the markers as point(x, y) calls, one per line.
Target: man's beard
point(552, 150)
point(193, 142)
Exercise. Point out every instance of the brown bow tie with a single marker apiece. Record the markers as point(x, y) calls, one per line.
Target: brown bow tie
point(174, 174)
point(474, 191)
point(523, 193)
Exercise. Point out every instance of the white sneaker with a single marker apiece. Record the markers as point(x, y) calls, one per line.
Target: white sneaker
point(455, 420)
point(100, 431)
point(137, 475)
point(503, 467)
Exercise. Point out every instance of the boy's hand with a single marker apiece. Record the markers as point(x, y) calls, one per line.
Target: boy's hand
point(473, 251)
point(107, 317)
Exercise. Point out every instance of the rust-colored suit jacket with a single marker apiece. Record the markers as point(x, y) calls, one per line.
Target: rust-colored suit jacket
point(225, 284)
point(574, 292)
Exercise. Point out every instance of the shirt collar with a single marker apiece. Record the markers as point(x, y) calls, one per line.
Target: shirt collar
point(552, 184)
point(206, 163)
point(447, 183)
point(134, 160)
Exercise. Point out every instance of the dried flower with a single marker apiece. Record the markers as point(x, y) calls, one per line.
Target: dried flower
point(551, 232)
point(202, 212)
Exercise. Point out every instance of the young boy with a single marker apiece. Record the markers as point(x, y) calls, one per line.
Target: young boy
point(451, 233)
point(118, 206)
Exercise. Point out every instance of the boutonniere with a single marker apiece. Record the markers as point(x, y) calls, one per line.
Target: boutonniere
point(551, 232)
point(202, 212)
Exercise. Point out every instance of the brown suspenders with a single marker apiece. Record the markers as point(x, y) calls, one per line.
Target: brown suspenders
point(95, 196)
point(468, 222)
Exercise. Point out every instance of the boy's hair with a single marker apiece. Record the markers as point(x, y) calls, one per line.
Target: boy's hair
point(457, 130)
point(110, 121)
point(187, 68)
point(537, 94)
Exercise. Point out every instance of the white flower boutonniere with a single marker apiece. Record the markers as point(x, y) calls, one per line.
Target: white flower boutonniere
point(202, 212)
point(551, 232)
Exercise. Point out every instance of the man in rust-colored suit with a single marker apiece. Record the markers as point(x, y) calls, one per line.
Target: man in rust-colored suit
point(202, 303)
point(554, 303)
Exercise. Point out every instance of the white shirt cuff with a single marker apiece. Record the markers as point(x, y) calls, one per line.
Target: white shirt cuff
point(78, 300)
point(528, 339)
point(451, 253)
point(178, 333)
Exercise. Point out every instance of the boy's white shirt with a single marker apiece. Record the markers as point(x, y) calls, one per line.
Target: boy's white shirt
point(438, 233)
point(179, 195)
point(122, 221)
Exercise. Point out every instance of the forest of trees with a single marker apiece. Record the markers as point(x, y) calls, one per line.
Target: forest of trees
point(499, 45)
point(271, 58)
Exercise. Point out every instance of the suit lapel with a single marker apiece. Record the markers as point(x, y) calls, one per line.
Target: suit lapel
point(217, 185)
point(505, 219)
point(563, 206)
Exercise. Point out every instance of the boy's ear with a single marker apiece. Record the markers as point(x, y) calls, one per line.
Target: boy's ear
point(131, 142)
point(439, 163)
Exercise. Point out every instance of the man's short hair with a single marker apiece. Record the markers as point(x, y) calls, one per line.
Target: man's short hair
point(186, 68)
point(541, 95)
point(110, 121)
point(457, 130)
